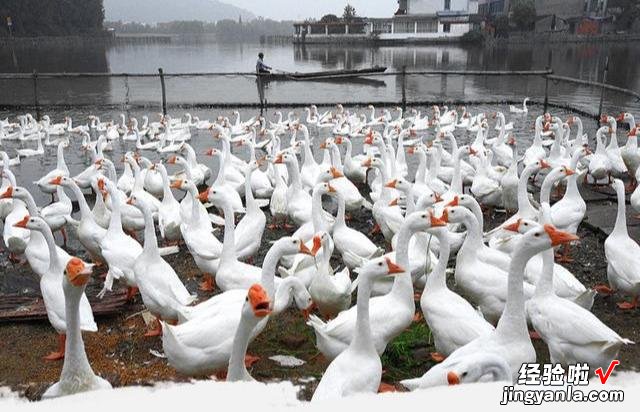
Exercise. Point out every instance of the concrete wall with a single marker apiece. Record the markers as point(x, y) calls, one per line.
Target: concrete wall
point(434, 6)
point(561, 8)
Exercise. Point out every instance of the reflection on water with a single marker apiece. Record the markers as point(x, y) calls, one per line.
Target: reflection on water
point(52, 58)
point(584, 61)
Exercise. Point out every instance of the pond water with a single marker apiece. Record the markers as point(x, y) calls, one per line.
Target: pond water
point(583, 61)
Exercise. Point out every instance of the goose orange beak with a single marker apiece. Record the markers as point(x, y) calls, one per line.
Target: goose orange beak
point(620, 118)
point(513, 227)
point(438, 197)
point(306, 312)
point(77, 272)
point(436, 222)
point(204, 196)
point(445, 215)
point(317, 244)
point(336, 173)
point(130, 201)
point(544, 164)
point(278, 159)
point(452, 378)
point(393, 268)
point(304, 249)
point(177, 184)
point(559, 237)
point(331, 188)
point(569, 172)
point(208, 152)
point(454, 202)
point(323, 145)
point(392, 184)
point(172, 160)
point(23, 223)
point(7, 193)
point(259, 301)
point(56, 181)
point(394, 202)
point(604, 118)
point(339, 140)
point(473, 151)
point(366, 162)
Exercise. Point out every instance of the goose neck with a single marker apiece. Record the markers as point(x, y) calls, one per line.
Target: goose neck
point(75, 360)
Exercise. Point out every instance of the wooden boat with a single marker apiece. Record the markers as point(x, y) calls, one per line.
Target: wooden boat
point(323, 75)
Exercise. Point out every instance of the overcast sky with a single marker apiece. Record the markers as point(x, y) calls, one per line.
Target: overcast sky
point(301, 9)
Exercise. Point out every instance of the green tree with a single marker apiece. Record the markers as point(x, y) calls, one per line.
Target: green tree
point(524, 14)
point(349, 12)
point(329, 18)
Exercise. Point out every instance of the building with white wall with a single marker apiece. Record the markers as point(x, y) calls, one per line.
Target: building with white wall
point(415, 20)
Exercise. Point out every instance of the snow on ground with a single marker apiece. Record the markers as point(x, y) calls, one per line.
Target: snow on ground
point(254, 396)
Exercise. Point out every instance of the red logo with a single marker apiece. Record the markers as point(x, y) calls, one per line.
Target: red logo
point(605, 376)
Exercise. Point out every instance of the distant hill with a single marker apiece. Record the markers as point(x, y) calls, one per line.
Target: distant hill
point(158, 11)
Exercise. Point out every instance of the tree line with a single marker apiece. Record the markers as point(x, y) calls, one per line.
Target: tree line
point(224, 30)
point(30, 18)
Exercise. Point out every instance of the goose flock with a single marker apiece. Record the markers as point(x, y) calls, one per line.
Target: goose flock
point(426, 181)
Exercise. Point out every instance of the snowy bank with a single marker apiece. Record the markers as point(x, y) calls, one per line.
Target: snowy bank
point(282, 397)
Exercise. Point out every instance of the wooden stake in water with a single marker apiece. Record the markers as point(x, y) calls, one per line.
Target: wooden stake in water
point(404, 88)
point(164, 92)
point(35, 94)
point(604, 82)
point(546, 81)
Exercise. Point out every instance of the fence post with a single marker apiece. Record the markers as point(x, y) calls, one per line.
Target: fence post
point(604, 82)
point(36, 103)
point(164, 92)
point(546, 82)
point(404, 88)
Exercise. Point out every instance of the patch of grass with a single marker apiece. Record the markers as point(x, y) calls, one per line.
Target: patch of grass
point(407, 355)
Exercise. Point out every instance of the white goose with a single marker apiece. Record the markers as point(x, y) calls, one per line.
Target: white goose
point(52, 290)
point(119, 250)
point(390, 314)
point(623, 256)
point(60, 170)
point(452, 321)
point(573, 334)
point(203, 344)
point(358, 368)
point(77, 375)
point(510, 340)
point(160, 287)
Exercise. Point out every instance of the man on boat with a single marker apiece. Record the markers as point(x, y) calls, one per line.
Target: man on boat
point(262, 68)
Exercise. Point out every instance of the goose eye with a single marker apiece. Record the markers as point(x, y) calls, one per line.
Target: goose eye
point(464, 374)
point(537, 235)
point(246, 299)
point(380, 264)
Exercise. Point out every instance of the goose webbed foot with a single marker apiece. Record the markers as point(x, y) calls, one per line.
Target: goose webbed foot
point(417, 317)
point(58, 354)
point(437, 357)
point(386, 387)
point(63, 232)
point(628, 305)
point(156, 331)
point(250, 360)
point(208, 284)
point(604, 289)
point(132, 291)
